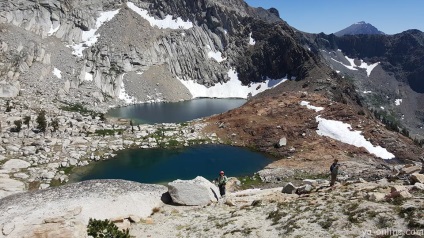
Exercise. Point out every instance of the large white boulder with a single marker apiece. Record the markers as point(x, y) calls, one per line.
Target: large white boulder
point(15, 164)
point(10, 186)
point(68, 208)
point(198, 191)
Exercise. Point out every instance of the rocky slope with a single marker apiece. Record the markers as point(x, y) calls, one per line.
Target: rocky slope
point(360, 28)
point(394, 83)
point(101, 46)
point(264, 121)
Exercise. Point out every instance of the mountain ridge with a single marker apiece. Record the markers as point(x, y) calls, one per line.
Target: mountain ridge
point(358, 29)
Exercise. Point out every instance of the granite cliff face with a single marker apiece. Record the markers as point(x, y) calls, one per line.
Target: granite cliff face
point(108, 44)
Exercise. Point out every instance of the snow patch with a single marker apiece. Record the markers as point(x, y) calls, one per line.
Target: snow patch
point(398, 102)
point(53, 30)
point(88, 77)
point(367, 92)
point(368, 67)
point(347, 66)
point(167, 23)
point(351, 61)
point(307, 104)
point(57, 73)
point(231, 89)
point(352, 66)
point(90, 37)
point(342, 132)
point(251, 40)
point(123, 95)
point(216, 56)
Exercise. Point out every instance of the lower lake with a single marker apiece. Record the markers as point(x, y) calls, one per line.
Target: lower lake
point(165, 165)
point(176, 112)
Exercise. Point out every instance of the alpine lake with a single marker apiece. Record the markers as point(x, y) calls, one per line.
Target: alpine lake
point(162, 165)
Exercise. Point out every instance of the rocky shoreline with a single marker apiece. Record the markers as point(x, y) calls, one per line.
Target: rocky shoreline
point(30, 159)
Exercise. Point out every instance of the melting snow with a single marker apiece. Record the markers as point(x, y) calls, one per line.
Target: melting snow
point(88, 77)
point(351, 61)
point(231, 89)
point(398, 102)
point(251, 40)
point(57, 73)
point(342, 132)
point(216, 56)
point(167, 23)
point(347, 66)
point(53, 30)
point(124, 95)
point(307, 104)
point(89, 38)
point(368, 67)
point(367, 92)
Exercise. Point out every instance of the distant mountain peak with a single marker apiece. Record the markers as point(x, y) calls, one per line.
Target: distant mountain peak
point(360, 28)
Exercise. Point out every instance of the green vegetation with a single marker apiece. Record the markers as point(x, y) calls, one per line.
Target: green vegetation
point(327, 222)
point(391, 122)
point(109, 132)
point(8, 106)
point(55, 183)
point(18, 125)
point(173, 143)
point(250, 181)
point(413, 216)
point(55, 124)
point(41, 121)
point(27, 119)
point(76, 108)
point(106, 229)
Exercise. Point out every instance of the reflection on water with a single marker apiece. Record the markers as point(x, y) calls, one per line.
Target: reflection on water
point(164, 165)
point(151, 113)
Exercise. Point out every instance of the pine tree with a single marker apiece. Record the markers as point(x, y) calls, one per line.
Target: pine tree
point(27, 119)
point(106, 228)
point(55, 124)
point(18, 125)
point(41, 121)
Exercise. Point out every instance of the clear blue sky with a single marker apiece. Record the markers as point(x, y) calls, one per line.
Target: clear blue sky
point(329, 16)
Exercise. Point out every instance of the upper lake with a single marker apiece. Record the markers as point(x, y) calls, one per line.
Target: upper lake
point(176, 112)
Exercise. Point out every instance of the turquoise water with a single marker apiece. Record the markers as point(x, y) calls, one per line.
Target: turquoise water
point(151, 113)
point(165, 165)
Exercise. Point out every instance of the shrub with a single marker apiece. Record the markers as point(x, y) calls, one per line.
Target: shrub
point(18, 125)
point(41, 121)
point(27, 119)
point(105, 229)
point(55, 124)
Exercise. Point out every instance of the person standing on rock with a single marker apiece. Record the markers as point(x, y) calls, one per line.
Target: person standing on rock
point(334, 169)
point(222, 181)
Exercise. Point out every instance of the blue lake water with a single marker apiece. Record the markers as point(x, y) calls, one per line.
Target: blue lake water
point(165, 165)
point(176, 112)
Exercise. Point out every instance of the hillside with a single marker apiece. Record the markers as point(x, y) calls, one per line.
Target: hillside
point(310, 99)
point(385, 70)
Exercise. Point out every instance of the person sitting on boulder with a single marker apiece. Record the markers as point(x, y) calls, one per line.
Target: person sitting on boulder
point(334, 169)
point(222, 181)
